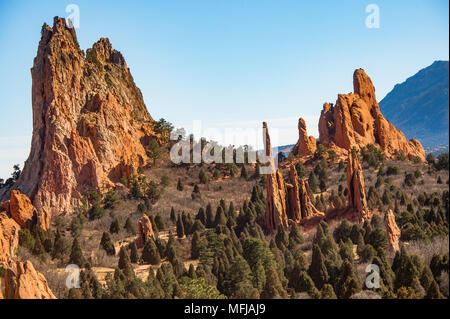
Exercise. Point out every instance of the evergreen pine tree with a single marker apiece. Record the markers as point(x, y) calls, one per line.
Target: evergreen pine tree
point(59, 247)
point(273, 287)
point(313, 182)
point(74, 293)
point(317, 270)
point(348, 282)
point(203, 177)
point(327, 292)
point(220, 217)
point(76, 255)
point(173, 217)
point(180, 227)
point(134, 254)
point(209, 216)
point(38, 248)
point(180, 186)
point(107, 244)
point(201, 216)
point(244, 173)
point(129, 226)
point(295, 237)
point(125, 263)
point(150, 253)
point(115, 228)
point(195, 246)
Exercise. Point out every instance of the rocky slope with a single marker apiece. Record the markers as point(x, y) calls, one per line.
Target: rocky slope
point(419, 106)
point(356, 120)
point(90, 123)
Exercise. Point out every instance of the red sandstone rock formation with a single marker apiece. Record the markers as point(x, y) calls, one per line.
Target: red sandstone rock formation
point(9, 237)
point(22, 281)
point(308, 210)
point(90, 123)
point(392, 230)
point(20, 209)
point(306, 144)
point(294, 207)
point(356, 121)
point(276, 191)
point(356, 194)
point(145, 231)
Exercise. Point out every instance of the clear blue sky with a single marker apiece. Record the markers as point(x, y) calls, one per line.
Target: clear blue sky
point(227, 61)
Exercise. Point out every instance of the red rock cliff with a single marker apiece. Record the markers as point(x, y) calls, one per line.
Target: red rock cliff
point(90, 123)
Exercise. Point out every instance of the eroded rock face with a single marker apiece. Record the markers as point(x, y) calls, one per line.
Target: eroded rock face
point(21, 210)
point(392, 230)
point(276, 192)
point(9, 237)
point(306, 145)
point(356, 121)
point(90, 123)
point(293, 196)
point(356, 193)
point(145, 231)
point(307, 207)
point(22, 281)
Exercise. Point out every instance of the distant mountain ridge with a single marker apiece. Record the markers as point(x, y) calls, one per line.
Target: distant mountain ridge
point(419, 107)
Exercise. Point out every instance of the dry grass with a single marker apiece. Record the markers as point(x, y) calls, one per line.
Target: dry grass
point(426, 249)
point(230, 189)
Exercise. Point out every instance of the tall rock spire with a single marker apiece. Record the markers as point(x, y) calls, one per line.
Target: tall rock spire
point(306, 144)
point(90, 123)
point(355, 184)
point(294, 207)
point(276, 191)
point(392, 230)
